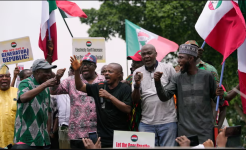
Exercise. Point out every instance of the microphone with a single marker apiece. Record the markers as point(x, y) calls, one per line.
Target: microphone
point(101, 86)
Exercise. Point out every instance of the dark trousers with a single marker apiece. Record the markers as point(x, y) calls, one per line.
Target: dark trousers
point(41, 147)
point(55, 141)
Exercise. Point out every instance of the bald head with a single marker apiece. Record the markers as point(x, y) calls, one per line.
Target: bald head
point(103, 69)
point(148, 53)
point(118, 69)
point(116, 66)
point(149, 47)
point(113, 74)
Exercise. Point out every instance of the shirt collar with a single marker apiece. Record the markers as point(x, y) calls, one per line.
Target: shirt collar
point(156, 64)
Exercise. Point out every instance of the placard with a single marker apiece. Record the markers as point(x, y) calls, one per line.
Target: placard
point(125, 139)
point(93, 45)
point(16, 51)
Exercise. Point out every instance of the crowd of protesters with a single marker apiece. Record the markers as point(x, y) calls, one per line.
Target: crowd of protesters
point(172, 102)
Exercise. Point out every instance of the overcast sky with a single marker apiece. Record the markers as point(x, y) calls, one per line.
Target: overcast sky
point(23, 18)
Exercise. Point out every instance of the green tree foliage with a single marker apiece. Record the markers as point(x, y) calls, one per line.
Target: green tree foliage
point(174, 20)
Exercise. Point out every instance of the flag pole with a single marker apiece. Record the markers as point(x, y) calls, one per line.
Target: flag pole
point(48, 23)
point(203, 44)
point(66, 24)
point(221, 78)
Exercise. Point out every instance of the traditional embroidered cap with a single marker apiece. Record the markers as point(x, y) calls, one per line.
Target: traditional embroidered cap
point(41, 64)
point(188, 49)
point(192, 42)
point(4, 69)
point(89, 57)
point(136, 57)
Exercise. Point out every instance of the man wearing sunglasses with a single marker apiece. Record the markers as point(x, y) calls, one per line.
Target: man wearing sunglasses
point(83, 117)
point(8, 97)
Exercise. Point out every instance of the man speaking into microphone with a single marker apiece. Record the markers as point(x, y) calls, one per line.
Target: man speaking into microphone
point(115, 104)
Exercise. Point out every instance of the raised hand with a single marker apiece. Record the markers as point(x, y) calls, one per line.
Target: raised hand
point(16, 71)
point(50, 45)
point(157, 76)
point(137, 78)
point(60, 73)
point(75, 63)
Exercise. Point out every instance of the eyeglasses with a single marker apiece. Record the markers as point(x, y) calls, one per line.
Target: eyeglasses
point(4, 75)
point(88, 64)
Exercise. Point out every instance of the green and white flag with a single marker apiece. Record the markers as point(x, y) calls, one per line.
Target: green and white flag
point(136, 37)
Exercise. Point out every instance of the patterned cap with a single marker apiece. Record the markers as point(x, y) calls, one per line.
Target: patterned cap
point(136, 57)
point(89, 57)
point(4, 69)
point(188, 49)
point(192, 42)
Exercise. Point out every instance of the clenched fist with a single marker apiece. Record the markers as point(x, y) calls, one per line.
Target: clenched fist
point(157, 76)
point(137, 78)
point(220, 92)
point(16, 71)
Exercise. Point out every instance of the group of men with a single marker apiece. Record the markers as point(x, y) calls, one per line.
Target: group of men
point(105, 102)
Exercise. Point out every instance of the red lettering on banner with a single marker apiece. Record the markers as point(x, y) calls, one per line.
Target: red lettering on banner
point(18, 48)
point(124, 145)
point(5, 51)
point(118, 144)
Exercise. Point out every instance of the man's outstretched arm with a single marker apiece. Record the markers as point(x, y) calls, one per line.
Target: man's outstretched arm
point(80, 86)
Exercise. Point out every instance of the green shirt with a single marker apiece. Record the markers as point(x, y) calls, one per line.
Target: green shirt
point(205, 66)
point(31, 117)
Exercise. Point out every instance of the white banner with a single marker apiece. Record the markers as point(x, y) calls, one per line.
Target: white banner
point(124, 139)
point(93, 45)
point(16, 51)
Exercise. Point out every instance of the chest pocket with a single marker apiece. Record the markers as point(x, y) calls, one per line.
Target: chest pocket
point(13, 105)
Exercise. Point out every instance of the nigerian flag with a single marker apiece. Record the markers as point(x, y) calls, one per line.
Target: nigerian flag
point(136, 37)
